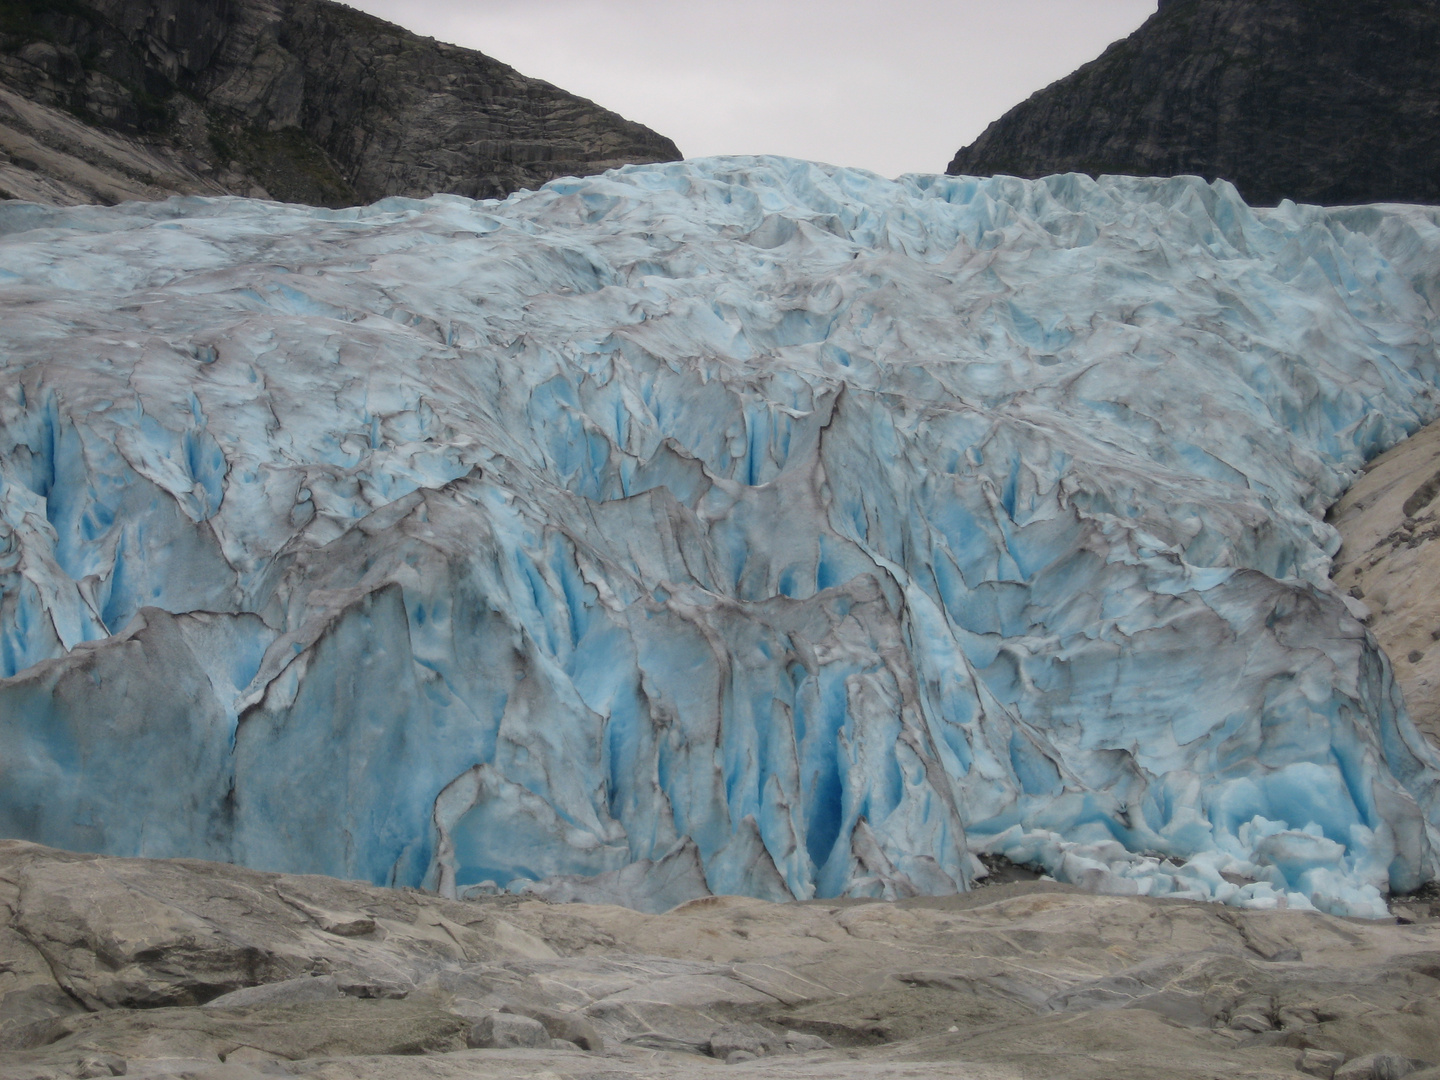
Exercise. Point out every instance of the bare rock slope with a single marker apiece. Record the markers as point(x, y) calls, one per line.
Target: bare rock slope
point(1390, 560)
point(1321, 101)
point(191, 969)
point(300, 100)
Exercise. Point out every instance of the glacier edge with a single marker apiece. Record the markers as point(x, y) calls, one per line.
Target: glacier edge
point(742, 524)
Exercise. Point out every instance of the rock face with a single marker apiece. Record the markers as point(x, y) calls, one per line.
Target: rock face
point(739, 526)
point(1390, 560)
point(151, 969)
point(1322, 101)
point(299, 100)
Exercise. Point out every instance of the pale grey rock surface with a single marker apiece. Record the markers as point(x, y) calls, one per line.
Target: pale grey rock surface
point(1389, 524)
point(106, 966)
point(285, 992)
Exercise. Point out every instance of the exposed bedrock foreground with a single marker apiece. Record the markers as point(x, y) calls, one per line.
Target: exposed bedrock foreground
point(740, 526)
point(190, 969)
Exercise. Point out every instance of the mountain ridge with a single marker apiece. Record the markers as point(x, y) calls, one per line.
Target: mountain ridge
point(301, 100)
point(1321, 102)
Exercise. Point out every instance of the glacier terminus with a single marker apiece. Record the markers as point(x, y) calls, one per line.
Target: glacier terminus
point(742, 525)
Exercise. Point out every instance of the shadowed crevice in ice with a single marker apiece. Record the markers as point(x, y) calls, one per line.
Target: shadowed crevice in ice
point(741, 525)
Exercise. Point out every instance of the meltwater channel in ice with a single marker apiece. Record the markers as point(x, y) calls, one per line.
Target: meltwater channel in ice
point(741, 525)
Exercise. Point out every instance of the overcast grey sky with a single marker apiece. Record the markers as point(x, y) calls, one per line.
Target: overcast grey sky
point(894, 87)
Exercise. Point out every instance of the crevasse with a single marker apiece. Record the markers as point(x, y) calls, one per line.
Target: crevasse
point(741, 525)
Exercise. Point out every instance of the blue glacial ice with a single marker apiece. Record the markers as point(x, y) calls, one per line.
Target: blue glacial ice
point(742, 525)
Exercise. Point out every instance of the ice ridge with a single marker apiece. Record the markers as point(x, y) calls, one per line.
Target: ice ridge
point(742, 525)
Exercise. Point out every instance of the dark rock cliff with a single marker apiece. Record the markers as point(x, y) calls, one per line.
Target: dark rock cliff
point(1325, 101)
point(302, 100)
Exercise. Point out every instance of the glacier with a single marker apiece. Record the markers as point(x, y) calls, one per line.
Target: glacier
point(742, 525)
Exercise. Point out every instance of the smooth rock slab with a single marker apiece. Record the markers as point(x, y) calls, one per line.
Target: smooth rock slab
point(287, 992)
point(100, 1065)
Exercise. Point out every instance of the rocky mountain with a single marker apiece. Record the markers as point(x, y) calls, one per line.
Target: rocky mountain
point(173, 970)
point(1321, 101)
point(298, 100)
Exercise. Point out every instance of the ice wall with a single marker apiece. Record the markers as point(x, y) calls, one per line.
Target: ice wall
point(743, 524)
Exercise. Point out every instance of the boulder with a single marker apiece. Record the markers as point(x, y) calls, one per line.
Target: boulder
point(745, 1038)
point(570, 1027)
point(285, 992)
point(503, 1031)
point(1378, 1067)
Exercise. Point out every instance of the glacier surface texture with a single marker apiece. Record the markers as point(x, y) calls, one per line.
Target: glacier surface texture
point(744, 525)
